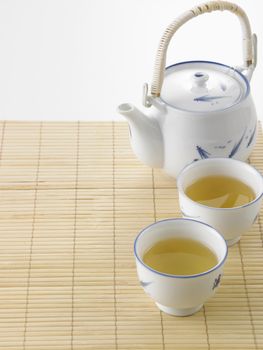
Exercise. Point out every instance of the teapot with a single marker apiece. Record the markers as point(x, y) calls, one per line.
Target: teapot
point(196, 109)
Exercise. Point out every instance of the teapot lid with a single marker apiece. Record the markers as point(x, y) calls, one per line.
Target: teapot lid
point(203, 86)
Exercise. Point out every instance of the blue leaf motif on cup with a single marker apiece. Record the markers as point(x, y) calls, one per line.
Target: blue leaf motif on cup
point(216, 281)
point(145, 284)
point(255, 219)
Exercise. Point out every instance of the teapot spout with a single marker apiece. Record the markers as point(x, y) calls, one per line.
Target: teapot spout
point(145, 135)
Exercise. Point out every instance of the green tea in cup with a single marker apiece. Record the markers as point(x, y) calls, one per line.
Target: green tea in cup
point(180, 256)
point(220, 191)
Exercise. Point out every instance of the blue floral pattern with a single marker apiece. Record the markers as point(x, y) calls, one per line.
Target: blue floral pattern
point(246, 137)
point(145, 284)
point(216, 281)
point(207, 98)
point(252, 136)
point(202, 152)
point(255, 219)
point(236, 146)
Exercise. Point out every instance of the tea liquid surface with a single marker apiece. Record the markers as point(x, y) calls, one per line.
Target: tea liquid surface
point(180, 256)
point(220, 192)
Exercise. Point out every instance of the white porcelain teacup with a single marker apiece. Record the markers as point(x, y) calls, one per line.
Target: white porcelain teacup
point(180, 295)
point(230, 222)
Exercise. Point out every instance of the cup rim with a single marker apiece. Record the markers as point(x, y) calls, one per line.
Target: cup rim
point(182, 192)
point(219, 264)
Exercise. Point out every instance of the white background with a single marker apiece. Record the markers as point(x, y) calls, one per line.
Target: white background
point(78, 59)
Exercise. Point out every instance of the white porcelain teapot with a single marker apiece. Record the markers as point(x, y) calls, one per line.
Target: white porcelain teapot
point(197, 109)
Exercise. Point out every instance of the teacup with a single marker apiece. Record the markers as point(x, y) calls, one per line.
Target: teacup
point(180, 295)
point(230, 222)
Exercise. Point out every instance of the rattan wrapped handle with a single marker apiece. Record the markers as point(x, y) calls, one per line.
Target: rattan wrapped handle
point(210, 6)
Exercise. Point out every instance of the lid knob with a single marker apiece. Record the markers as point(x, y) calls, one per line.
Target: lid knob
point(199, 80)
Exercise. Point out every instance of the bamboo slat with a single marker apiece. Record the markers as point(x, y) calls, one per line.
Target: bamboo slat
point(73, 198)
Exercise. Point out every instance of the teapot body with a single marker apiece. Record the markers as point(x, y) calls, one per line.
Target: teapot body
point(188, 136)
point(196, 109)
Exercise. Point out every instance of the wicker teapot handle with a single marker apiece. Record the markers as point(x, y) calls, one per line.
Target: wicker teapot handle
point(210, 6)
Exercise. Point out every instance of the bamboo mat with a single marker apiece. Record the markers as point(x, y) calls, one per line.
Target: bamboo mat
point(73, 197)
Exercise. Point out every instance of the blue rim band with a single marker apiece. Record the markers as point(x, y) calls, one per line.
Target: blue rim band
point(179, 276)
